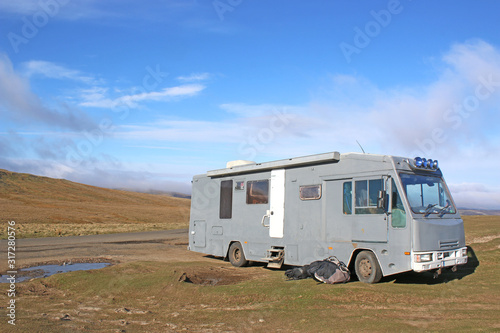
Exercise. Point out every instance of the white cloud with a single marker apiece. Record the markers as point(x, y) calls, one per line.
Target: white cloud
point(257, 110)
point(20, 104)
point(97, 97)
point(54, 71)
point(19, 7)
point(102, 173)
point(131, 179)
point(459, 108)
point(60, 9)
point(195, 77)
point(97, 10)
point(182, 131)
point(473, 195)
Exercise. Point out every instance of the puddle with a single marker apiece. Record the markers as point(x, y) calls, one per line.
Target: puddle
point(42, 271)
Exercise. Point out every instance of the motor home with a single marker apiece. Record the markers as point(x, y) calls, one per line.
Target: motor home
point(380, 214)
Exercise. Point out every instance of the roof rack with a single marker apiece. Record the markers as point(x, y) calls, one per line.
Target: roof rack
point(280, 164)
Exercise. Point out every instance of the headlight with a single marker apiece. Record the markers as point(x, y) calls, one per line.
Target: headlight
point(418, 162)
point(464, 252)
point(423, 257)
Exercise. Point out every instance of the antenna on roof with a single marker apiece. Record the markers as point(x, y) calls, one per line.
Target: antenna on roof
point(360, 147)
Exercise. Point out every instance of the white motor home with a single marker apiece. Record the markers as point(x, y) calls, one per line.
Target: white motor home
point(380, 214)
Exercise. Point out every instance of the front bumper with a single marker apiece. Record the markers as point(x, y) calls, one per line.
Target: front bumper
point(431, 260)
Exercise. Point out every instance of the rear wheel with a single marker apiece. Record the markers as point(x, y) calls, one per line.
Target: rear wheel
point(236, 255)
point(367, 267)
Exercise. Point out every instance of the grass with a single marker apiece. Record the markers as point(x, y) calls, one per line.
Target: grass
point(148, 297)
point(45, 207)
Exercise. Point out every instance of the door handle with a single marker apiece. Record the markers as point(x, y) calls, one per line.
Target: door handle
point(268, 214)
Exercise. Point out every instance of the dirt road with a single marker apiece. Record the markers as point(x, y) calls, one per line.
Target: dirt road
point(169, 245)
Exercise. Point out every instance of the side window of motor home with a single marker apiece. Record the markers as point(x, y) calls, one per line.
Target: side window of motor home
point(367, 195)
point(398, 215)
point(226, 199)
point(258, 192)
point(310, 192)
point(347, 198)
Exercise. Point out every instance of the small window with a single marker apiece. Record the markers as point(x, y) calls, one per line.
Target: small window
point(258, 192)
point(226, 199)
point(367, 195)
point(347, 200)
point(310, 192)
point(398, 213)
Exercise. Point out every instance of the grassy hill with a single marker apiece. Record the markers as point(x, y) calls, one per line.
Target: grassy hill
point(43, 206)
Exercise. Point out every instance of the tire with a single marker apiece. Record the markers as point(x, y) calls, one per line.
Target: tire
point(367, 267)
point(236, 255)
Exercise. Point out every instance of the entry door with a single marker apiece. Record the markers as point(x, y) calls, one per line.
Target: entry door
point(199, 233)
point(369, 223)
point(277, 204)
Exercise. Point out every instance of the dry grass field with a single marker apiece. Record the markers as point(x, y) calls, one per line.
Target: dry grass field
point(44, 207)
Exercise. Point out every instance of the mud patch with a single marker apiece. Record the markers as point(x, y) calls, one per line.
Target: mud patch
point(216, 276)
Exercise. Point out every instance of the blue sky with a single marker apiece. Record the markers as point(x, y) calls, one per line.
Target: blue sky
point(143, 95)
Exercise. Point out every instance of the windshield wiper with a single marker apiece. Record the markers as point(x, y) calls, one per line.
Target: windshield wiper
point(428, 210)
point(445, 209)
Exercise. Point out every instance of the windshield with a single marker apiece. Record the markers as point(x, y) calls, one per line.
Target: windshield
point(427, 194)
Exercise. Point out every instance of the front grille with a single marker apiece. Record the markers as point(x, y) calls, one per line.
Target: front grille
point(448, 244)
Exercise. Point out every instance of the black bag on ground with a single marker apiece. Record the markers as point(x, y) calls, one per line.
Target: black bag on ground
point(330, 270)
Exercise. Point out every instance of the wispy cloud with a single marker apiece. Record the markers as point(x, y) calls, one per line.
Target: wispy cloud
point(182, 131)
point(195, 77)
point(102, 173)
point(474, 195)
point(60, 9)
point(97, 97)
point(256, 110)
point(54, 71)
point(20, 104)
point(96, 10)
point(436, 118)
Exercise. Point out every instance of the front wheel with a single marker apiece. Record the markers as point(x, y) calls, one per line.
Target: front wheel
point(236, 255)
point(367, 267)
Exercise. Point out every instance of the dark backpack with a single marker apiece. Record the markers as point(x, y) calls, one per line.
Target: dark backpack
point(330, 270)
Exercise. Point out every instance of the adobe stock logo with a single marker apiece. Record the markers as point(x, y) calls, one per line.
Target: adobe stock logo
point(372, 28)
point(33, 23)
point(258, 141)
point(223, 6)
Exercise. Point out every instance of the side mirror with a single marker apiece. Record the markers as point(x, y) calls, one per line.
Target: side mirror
point(382, 199)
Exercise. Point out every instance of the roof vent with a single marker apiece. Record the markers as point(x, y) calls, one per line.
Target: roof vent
point(236, 163)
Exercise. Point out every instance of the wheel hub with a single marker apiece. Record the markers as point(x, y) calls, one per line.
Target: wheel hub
point(365, 267)
point(237, 255)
